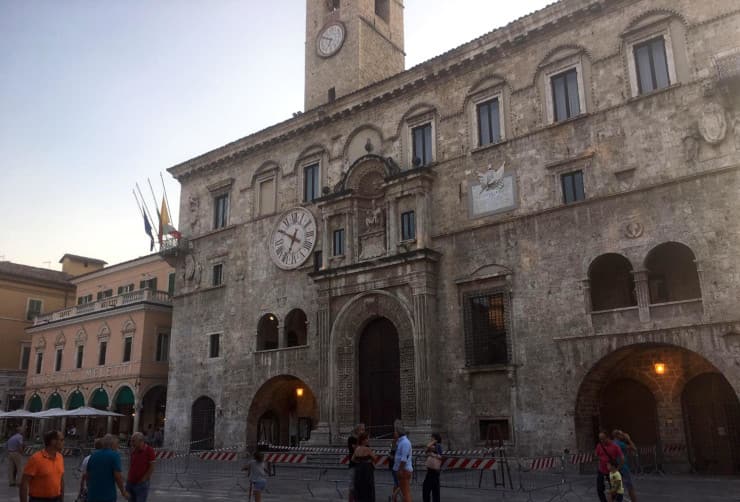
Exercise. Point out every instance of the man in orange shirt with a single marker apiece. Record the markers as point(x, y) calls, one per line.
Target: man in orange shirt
point(43, 476)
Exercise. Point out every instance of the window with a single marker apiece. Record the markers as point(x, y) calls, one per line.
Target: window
point(163, 347)
point(338, 246)
point(34, 309)
point(25, 357)
point(125, 289)
point(332, 94)
point(268, 337)
point(214, 342)
point(572, 187)
point(421, 138)
point(218, 275)
point(105, 294)
point(317, 260)
point(311, 182)
point(489, 122)
point(333, 5)
point(82, 300)
point(149, 284)
point(79, 357)
point(39, 361)
point(127, 343)
point(565, 97)
point(485, 329)
point(266, 203)
point(171, 284)
point(101, 354)
point(220, 211)
point(651, 65)
point(408, 226)
point(58, 361)
point(382, 9)
point(494, 430)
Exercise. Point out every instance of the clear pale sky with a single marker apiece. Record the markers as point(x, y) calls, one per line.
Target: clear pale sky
point(95, 96)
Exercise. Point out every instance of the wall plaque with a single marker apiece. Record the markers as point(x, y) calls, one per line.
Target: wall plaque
point(485, 200)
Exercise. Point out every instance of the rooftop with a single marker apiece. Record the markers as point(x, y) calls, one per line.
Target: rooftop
point(82, 259)
point(36, 274)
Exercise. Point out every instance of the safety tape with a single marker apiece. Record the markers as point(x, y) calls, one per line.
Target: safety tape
point(221, 456)
point(646, 450)
point(674, 448)
point(30, 450)
point(542, 464)
point(478, 464)
point(164, 454)
point(582, 458)
point(69, 452)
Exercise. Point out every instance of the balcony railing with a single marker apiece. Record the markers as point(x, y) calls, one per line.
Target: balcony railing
point(139, 296)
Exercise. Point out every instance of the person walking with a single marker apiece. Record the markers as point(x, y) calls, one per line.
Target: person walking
point(392, 455)
point(364, 459)
point(140, 469)
point(82, 495)
point(616, 488)
point(257, 476)
point(434, 467)
point(606, 451)
point(104, 472)
point(352, 442)
point(15, 457)
point(402, 464)
point(624, 441)
point(43, 476)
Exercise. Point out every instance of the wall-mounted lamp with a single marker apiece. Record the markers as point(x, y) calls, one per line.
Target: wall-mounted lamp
point(299, 391)
point(659, 368)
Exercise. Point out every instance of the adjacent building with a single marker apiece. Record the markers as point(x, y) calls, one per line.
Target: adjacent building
point(109, 349)
point(526, 239)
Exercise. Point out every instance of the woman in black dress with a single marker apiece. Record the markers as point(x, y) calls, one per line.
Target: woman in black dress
point(364, 460)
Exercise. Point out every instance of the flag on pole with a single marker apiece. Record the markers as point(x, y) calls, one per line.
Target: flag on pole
point(148, 230)
point(165, 228)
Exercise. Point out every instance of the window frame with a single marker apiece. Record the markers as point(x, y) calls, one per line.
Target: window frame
point(653, 73)
point(171, 277)
point(265, 177)
point(128, 288)
point(220, 268)
point(408, 236)
point(221, 220)
point(477, 104)
point(638, 40)
point(25, 362)
point(572, 174)
point(162, 350)
point(210, 339)
point(315, 166)
point(39, 366)
point(428, 116)
point(568, 64)
point(40, 302)
point(128, 343)
point(341, 243)
point(424, 162)
point(509, 428)
point(102, 352)
point(80, 357)
point(58, 359)
point(473, 346)
point(569, 114)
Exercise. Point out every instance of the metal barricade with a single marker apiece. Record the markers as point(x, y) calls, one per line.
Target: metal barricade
point(544, 475)
point(216, 465)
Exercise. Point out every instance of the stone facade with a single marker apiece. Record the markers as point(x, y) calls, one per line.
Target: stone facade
point(490, 223)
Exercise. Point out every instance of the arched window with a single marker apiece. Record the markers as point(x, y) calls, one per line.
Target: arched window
point(296, 325)
point(672, 274)
point(267, 333)
point(203, 424)
point(612, 284)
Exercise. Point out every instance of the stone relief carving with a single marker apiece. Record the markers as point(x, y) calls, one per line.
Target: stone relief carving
point(194, 204)
point(129, 326)
point(633, 230)
point(732, 343)
point(491, 180)
point(41, 343)
point(373, 218)
point(60, 339)
point(713, 124)
point(104, 331)
point(81, 337)
point(736, 131)
point(691, 148)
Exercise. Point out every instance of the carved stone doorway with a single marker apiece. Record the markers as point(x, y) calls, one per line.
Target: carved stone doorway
point(380, 377)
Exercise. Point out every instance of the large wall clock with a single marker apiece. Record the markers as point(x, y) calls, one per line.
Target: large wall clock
point(293, 238)
point(330, 40)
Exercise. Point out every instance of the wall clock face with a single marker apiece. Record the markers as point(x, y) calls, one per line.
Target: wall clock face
point(293, 238)
point(330, 40)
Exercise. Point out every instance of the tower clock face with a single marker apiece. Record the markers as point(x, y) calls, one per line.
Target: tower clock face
point(293, 238)
point(330, 40)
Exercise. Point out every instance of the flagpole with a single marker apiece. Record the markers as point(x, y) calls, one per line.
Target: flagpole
point(137, 202)
point(143, 202)
point(159, 216)
point(164, 191)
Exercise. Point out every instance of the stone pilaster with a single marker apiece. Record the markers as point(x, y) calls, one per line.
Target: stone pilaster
point(642, 293)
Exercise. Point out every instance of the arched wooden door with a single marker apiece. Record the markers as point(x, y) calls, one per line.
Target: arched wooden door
point(628, 405)
point(203, 424)
point(380, 376)
point(712, 416)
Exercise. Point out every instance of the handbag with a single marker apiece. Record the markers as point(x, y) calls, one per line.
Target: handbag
point(434, 461)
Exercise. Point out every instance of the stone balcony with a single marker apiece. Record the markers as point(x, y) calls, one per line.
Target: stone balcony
point(282, 360)
point(653, 316)
point(113, 302)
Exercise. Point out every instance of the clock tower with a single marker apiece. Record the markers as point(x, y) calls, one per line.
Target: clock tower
point(351, 44)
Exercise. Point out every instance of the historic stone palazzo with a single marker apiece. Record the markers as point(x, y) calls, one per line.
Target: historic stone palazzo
point(528, 238)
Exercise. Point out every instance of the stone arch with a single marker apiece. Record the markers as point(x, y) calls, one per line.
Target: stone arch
point(370, 164)
point(278, 399)
point(203, 424)
point(350, 147)
point(295, 329)
point(104, 331)
point(60, 340)
point(413, 110)
point(55, 400)
point(313, 150)
point(41, 343)
point(345, 335)
point(267, 167)
point(639, 362)
point(672, 273)
point(76, 399)
point(653, 15)
point(128, 327)
point(81, 337)
point(611, 282)
point(268, 332)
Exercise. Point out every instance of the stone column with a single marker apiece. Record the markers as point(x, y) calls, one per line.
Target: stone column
point(137, 417)
point(326, 244)
point(586, 286)
point(642, 293)
point(421, 221)
point(392, 226)
point(349, 237)
point(109, 427)
point(424, 320)
point(322, 432)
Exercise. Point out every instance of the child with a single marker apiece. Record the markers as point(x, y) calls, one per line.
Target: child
point(616, 489)
point(257, 476)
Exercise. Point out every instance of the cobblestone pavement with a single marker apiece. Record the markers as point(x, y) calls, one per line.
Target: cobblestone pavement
point(291, 486)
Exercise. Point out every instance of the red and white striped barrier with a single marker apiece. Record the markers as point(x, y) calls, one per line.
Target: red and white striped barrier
point(164, 454)
point(646, 450)
point(221, 456)
point(477, 464)
point(70, 452)
point(30, 450)
point(543, 464)
point(582, 458)
point(674, 448)
point(285, 458)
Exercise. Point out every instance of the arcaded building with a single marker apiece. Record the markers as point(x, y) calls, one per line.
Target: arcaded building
point(528, 238)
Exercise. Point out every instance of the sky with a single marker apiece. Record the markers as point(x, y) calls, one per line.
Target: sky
point(97, 96)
